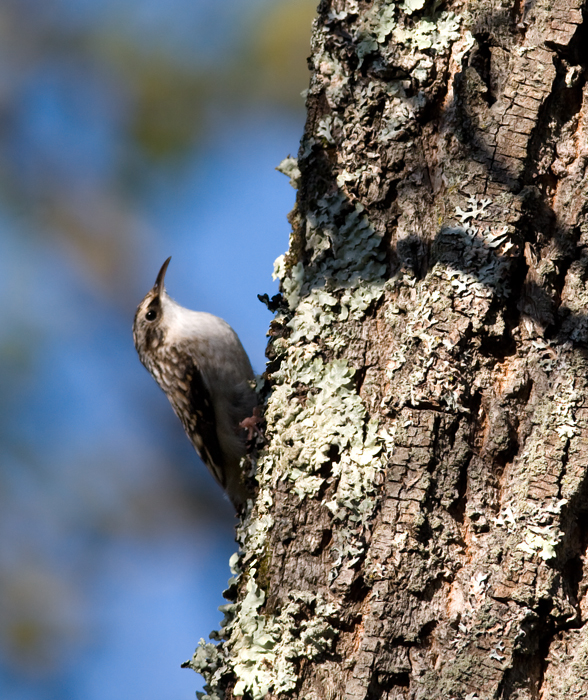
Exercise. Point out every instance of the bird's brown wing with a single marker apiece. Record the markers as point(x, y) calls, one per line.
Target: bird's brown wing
point(200, 423)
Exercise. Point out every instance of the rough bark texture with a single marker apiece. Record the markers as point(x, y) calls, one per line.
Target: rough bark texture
point(421, 524)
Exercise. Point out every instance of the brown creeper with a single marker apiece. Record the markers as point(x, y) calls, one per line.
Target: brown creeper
point(199, 362)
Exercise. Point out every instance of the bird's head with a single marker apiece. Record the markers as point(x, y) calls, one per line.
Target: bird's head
point(149, 326)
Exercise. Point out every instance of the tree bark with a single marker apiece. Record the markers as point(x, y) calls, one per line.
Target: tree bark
point(419, 528)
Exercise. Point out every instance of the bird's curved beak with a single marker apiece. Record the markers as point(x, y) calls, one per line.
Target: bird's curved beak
point(159, 282)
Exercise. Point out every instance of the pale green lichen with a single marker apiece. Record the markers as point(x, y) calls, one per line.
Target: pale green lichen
point(410, 6)
point(541, 541)
point(399, 110)
point(326, 126)
point(292, 283)
point(332, 416)
point(330, 74)
point(464, 46)
point(265, 648)
point(378, 23)
point(343, 255)
point(289, 167)
point(305, 433)
point(435, 32)
point(564, 410)
point(506, 519)
point(483, 260)
point(433, 374)
point(535, 523)
point(477, 209)
point(262, 650)
point(471, 271)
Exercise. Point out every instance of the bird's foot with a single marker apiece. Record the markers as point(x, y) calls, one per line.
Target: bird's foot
point(252, 425)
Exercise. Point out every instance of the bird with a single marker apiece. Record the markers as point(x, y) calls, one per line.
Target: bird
point(201, 365)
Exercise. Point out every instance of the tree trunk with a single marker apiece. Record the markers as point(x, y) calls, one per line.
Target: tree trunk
point(419, 526)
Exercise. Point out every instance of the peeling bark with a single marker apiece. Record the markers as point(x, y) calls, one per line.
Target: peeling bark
point(419, 530)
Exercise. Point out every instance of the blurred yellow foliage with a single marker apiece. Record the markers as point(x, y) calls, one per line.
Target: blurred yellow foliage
point(280, 46)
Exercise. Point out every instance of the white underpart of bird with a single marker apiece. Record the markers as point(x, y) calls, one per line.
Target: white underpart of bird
point(201, 365)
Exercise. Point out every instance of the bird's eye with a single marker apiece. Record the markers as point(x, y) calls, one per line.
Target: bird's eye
point(151, 315)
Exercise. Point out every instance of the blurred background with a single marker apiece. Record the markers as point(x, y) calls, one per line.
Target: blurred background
point(130, 130)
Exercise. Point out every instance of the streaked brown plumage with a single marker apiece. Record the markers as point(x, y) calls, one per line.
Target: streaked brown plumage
point(199, 362)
